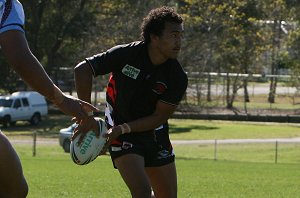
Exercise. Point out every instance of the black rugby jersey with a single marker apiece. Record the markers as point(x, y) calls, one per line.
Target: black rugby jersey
point(136, 84)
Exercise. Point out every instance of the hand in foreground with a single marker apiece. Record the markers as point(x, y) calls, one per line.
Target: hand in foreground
point(111, 134)
point(76, 107)
point(84, 125)
point(80, 110)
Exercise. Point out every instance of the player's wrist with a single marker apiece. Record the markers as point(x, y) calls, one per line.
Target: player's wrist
point(125, 128)
point(58, 96)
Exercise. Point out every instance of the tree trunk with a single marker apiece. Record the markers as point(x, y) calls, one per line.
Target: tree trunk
point(228, 101)
point(246, 93)
point(208, 97)
point(274, 64)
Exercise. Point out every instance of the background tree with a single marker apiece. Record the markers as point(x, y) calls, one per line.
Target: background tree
point(56, 30)
point(237, 36)
point(292, 57)
point(276, 15)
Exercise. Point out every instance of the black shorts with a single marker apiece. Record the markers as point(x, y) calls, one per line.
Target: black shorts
point(155, 147)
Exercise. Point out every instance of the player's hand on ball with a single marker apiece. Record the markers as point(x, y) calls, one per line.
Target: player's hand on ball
point(84, 125)
point(113, 133)
point(75, 107)
point(110, 135)
point(88, 148)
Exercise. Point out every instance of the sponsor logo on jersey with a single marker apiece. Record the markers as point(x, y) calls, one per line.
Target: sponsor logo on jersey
point(159, 88)
point(127, 145)
point(131, 71)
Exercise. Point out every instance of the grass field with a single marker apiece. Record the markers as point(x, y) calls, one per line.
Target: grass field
point(204, 129)
point(242, 170)
point(179, 129)
point(52, 174)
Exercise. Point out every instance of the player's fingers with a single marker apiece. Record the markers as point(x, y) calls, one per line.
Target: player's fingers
point(106, 134)
point(75, 134)
point(76, 120)
point(89, 124)
point(81, 138)
point(87, 107)
point(77, 131)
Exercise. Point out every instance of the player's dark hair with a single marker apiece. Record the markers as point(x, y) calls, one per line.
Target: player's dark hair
point(154, 22)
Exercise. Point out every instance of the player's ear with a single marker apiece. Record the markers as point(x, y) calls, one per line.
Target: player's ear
point(154, 38)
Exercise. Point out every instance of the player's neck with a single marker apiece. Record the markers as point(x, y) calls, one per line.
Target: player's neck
point(156, 57)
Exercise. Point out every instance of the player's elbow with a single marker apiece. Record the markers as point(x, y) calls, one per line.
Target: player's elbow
point(160, 119)
point(82, 68)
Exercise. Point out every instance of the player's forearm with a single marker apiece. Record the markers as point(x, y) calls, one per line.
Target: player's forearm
point(19, 56)
point(160, 116)
point(83, 81)
point(162, 113)
point(147, 123)
point(33, 74)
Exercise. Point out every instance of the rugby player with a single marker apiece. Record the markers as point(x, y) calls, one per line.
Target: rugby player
point(15, 48)
point(145, 87)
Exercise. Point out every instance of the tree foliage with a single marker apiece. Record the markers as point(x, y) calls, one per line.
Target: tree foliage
point(236, 36)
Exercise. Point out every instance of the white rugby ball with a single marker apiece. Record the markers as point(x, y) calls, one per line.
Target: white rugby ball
point(90, 147)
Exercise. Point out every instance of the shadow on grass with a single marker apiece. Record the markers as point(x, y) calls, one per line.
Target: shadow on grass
point(53, 123)
point(49, 126)
point(189, 128)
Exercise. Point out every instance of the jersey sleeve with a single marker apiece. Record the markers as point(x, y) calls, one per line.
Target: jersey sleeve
point(11, 15)
point(176, 88)
point(109, 61)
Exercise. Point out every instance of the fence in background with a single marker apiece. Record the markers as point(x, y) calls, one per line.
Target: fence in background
point(285, 150)
point(253, 150)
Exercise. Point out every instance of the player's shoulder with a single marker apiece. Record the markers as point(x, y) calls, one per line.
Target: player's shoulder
point(177, 73)
point(136, 45)
point(132, 49)
point(175, 66)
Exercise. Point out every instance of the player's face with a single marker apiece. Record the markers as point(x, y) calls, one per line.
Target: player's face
point(169, 43)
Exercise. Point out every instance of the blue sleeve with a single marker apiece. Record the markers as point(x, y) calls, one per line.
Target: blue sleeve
point(11, 15)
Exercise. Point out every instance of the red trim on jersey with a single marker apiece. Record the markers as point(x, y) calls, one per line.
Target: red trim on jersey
point(116, 142)
point(111, 89)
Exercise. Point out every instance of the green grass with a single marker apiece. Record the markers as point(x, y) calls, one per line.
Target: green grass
point(52, 174)
point(204, 129)
point(254, 152)
point(236, 179)
point(241, 170)
point(179, 129)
